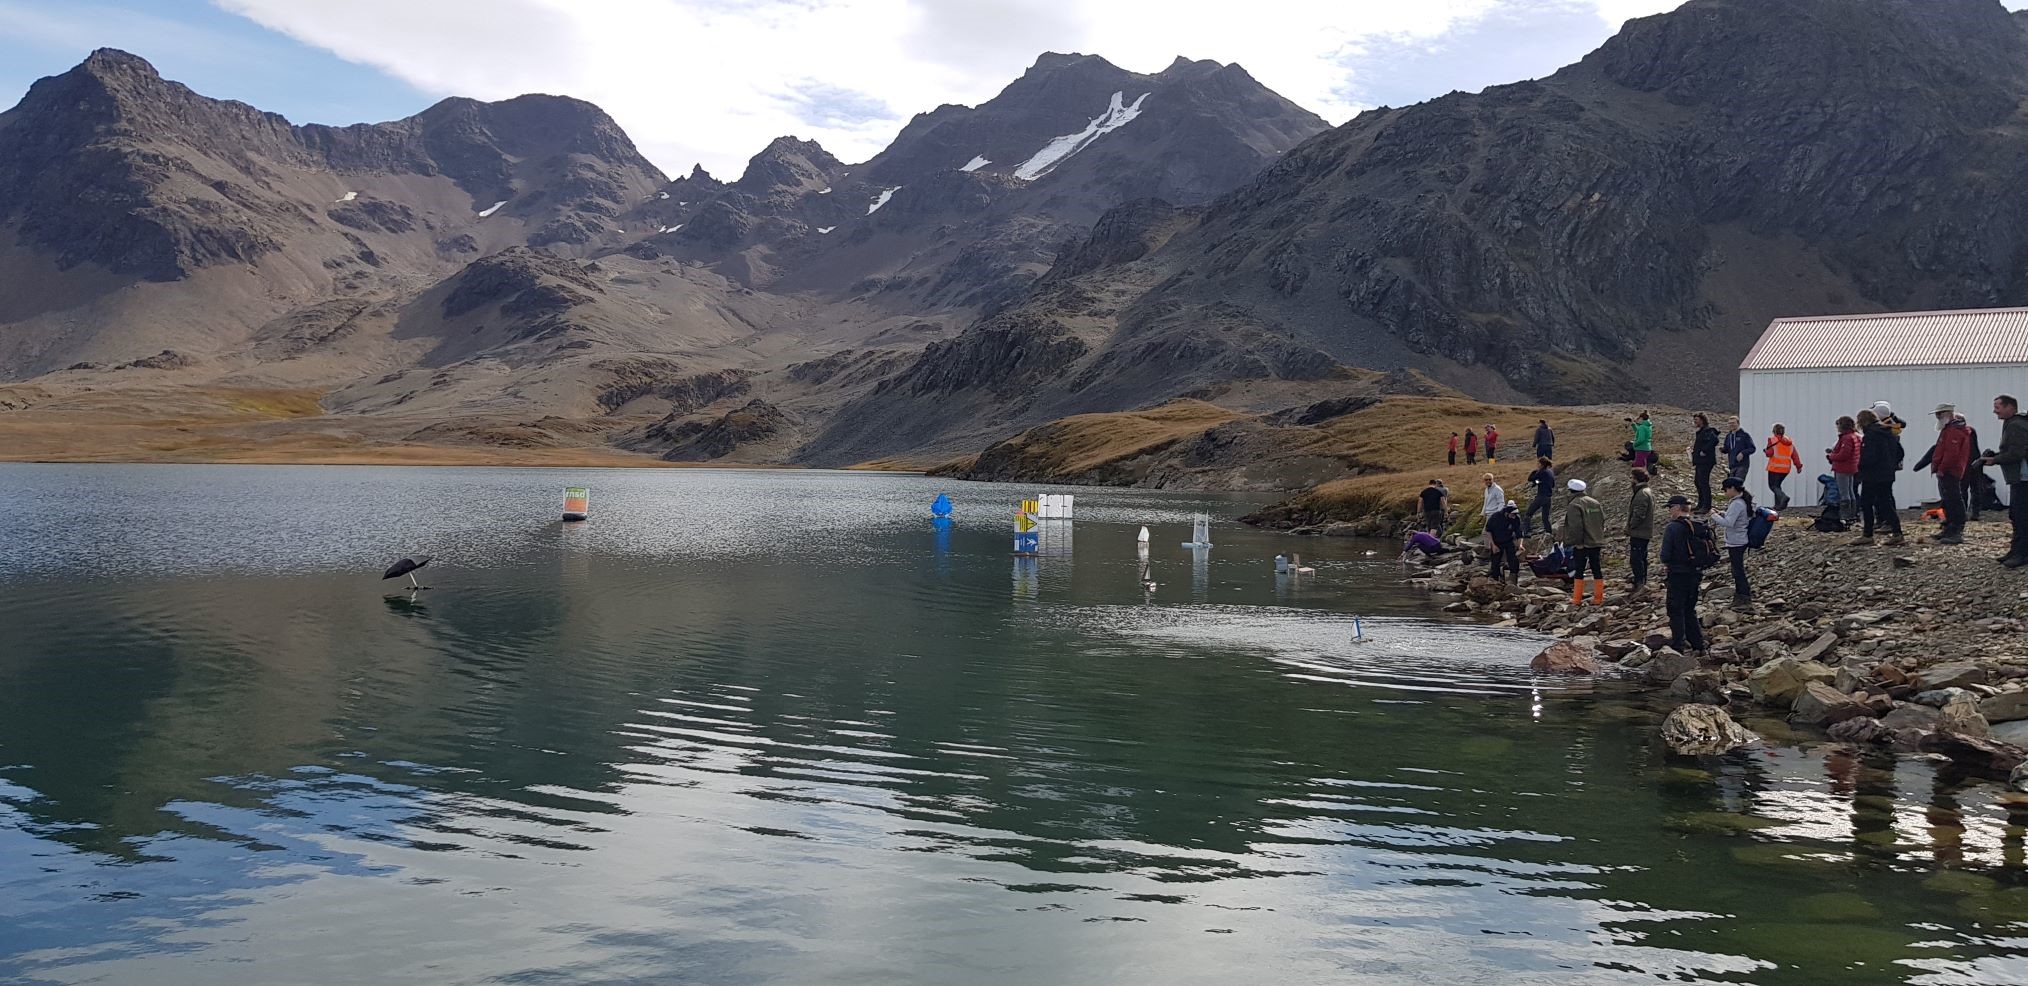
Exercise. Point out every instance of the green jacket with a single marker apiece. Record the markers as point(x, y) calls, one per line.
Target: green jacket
point(2013, 451)
point(1584, 523)
point(1641, 515)
point(1644, 436)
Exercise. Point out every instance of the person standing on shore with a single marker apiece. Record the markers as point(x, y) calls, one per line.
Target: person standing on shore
point(1686, 580)
point(1496, 498)
point(1505, 529)
point(1640, 529)
point(1492, 445)
point(1781, 462)
point(1879, 460)
point(1704, 458)
point(1454, 448)
point(1738, 451)
point(1545, 440)
point(1584, 534)
point(1471, 447)
point(1948, 462)
point(1435, 503)
point(1644, 443)
point(1733, 527)
point(1544, 478)
point(2011, 457)
point(1844, 459)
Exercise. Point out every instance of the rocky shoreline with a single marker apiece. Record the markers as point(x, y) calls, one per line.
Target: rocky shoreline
point(1920, 648)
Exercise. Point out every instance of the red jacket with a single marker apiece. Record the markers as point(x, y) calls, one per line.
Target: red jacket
point(1845, 456)
point(1953, 450)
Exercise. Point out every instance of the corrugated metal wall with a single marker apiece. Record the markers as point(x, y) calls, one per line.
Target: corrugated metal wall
point(1810, 401)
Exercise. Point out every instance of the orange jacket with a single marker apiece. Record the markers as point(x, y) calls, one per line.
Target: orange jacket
point(1781, 455)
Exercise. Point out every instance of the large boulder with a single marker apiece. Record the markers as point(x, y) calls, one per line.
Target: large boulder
point(1912, 717)
point(1667, 665)
point(1821, 705)
point(1779, 682)
point(2005, 707)
point(1564, 657)
point(1961, 716)
point(1957, 674)
point(1697, 730)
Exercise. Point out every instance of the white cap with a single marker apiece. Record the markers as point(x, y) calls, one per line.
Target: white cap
point(1511, 505)
point(1577, 486)
point(1882, 409)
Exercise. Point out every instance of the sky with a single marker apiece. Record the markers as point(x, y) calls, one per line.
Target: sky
point(712, 81)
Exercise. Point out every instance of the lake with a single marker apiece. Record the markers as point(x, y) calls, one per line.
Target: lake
point(754, 726)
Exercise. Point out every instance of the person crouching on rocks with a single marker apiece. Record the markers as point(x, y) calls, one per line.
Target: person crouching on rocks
point(1584, 534)
point(1505, 530)
point(1685, 578)
point(1732, 525)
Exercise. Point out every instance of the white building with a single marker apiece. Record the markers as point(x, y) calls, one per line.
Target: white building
point(1805, 373)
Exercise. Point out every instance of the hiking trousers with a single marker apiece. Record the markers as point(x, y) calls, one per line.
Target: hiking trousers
point(1541, 506)
point(1848, 496)
point(1781, 497)
point(1507, 554)
point(1704, 488)
point(1637, 559)
point(1876, 502)
point(1433, 520)
point(1685, 633)
point(1588, 558)
point(1952, 490)
point(1742, 591)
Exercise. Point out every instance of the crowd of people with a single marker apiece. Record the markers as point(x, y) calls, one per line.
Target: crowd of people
point(1864, 462)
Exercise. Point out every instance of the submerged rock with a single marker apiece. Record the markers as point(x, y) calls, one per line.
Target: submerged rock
point(1698, 730)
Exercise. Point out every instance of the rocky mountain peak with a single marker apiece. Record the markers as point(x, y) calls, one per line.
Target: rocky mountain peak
point(790, 163)
point(1729, 51)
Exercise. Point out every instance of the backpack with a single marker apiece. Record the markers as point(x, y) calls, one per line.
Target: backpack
point(1703, 544)
point(1552, 565)
point(1759, 526)
point(1828, 523)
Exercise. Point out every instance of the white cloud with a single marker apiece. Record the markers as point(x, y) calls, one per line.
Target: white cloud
point(715, 80)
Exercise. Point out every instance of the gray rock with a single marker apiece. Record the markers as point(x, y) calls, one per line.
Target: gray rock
point(1702, 730)
point(2005, 707)
point(1961, 716)
point(1703, 686)
point(1821, 705)
point(1638, 657)
point(1861, 729)
point(1912, 717)
point(1818, 647)
point(1667, 665)
point(1937, 697)
point(2014, 732)
point(1780, 681)
point(1956, 674)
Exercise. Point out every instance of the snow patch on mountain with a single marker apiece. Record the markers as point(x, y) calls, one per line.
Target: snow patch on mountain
point(882, 200)
point(1117, 115)
point(825, 229)
point(975, 164)
point(489, 210)
point(349, 196)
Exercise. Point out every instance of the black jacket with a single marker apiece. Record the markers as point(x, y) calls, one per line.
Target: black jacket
point(1505, 527)
point(1676, 546)
point(1705, 452)
point(1880, 455)
point(2013, 449)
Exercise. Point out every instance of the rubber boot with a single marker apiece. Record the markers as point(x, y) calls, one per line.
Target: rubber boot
point(1598, 592)
point(1577, 592)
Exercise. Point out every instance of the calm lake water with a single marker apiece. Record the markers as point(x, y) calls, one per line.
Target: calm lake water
point(776, 727)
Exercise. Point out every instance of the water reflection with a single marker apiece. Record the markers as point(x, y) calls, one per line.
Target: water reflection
point(627, 753)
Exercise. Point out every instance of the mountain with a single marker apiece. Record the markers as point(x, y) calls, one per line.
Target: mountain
point(1622, 229)
point(516, 273)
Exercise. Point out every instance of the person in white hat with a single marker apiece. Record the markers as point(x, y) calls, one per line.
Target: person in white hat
point(1584, 534)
